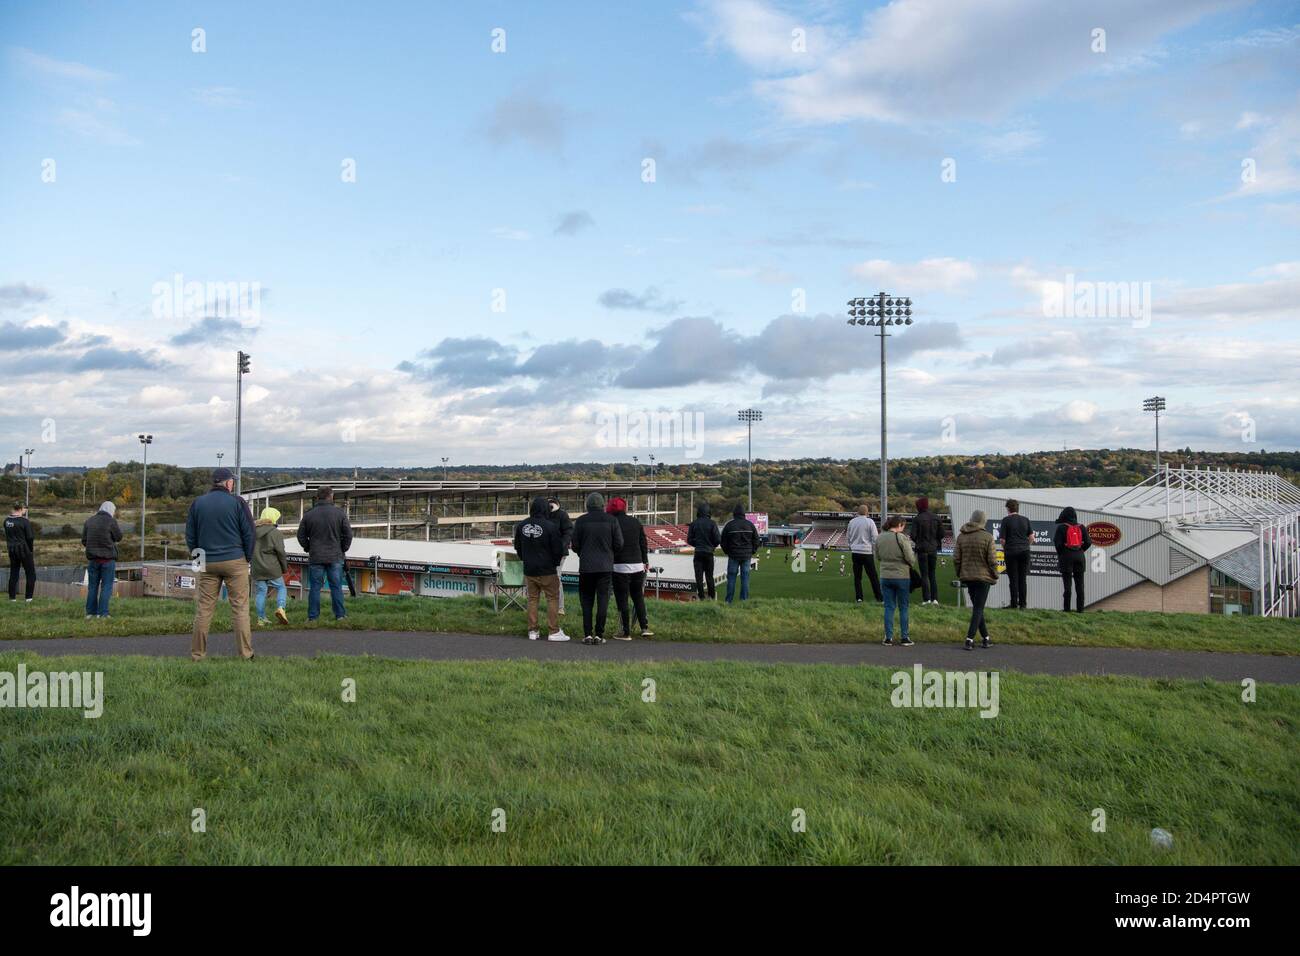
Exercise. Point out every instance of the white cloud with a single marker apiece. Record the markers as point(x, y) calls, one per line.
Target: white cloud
point(943, 274)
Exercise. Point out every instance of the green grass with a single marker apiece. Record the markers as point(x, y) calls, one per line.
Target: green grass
point(760, 621)
point(586, 772)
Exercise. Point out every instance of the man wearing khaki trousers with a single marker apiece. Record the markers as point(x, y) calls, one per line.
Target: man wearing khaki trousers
point(220, 534)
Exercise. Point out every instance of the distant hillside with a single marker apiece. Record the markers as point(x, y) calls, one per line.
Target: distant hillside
point(781, 488)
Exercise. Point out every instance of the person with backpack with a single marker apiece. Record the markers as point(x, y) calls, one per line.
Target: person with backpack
point(21, 544)
point(630, 563)
point(565, 525)
point(270, 564)
point(926, 532)
point(597, 537)
point(541, 548)
point(703, 535)
point(897, 562)
point(1017, 536)
point(976, 561)
point(99, 536)
point(1072, 542)
point(739, 542)
point(861, 536)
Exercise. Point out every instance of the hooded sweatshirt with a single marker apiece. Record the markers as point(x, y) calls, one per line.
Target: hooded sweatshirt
point(562, 521)
point(635, 553)
point(1067, 517)
point(538, 541)
point(100, 534)
point(739, 536)
point(974, 556)
point(926, 529)
point(597, 537)
point(703, 534)
point(269, 559)
point(18, 535)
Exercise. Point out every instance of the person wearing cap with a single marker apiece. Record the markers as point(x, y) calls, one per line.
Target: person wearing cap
point(597, 537)
point(630, 563)
point(325, 534)
point(976, 560)
point(99, 536)
point(565, 524)
point(926, 532)
point(221, 537)
point(270, 563)
point(739, 542)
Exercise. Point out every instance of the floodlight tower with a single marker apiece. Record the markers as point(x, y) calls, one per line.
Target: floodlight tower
point(881, 310)
point(1155, 403)
point(145, 441)
point(749, 416)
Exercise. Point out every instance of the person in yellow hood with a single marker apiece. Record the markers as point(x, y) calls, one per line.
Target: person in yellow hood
point(269, 565)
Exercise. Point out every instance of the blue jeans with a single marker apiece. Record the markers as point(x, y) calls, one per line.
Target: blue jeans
point(897, 591)
point(734, 566)
point(317, 574)
point(282, 595)
point(99, 587)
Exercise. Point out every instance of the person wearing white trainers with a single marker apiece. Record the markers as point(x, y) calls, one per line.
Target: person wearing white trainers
point(540, 546)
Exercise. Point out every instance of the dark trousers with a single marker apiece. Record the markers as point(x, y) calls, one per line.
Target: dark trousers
point(867, 561)
point(593, 589)
point(928, 561)
point(631, 586)
point(704, 575)
point(26, 562)
point(1074, 565)
point(979, 595)
point(1018, 577)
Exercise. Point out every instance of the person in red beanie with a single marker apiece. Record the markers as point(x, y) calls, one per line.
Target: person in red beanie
point(630, 562)
point(926, 533)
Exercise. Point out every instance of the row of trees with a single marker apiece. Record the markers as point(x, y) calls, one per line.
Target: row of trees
point(781, 488)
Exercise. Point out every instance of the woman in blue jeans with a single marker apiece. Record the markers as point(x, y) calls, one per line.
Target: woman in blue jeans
point(897, 561)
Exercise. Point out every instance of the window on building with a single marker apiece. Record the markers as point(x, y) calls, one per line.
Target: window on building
point(1229, 596)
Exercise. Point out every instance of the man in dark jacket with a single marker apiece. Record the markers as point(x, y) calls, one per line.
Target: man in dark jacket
point(596, 539)
point(326, 535)
point(541, 548)
point(21, 544)
point(99, 536)
point(975, 560)
point(739, 542)
point(1071, 553)
point(926, 532)
point(220, 534)
point(1017, 536)
point(630, 563)
point(703, 535)
point(565, 524)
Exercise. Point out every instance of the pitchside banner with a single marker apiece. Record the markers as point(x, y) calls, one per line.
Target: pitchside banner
point(759, 521)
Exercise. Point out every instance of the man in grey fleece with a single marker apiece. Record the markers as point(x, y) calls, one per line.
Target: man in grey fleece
point(862, 535)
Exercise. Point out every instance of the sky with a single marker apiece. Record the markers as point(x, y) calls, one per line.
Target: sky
point(515, 232)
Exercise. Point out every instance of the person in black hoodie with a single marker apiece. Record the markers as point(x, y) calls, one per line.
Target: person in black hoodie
point(703, 535)
point(20, 543)
point(565, 524)
point(540, 547)
point(1072, 543)
point(739, 542)
point(630, 563)
point(926, 532)
point(597, 537)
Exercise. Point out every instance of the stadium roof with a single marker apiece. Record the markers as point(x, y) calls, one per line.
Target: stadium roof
point(424, 487)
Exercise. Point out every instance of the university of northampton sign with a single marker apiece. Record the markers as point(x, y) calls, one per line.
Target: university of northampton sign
point(1103, 533)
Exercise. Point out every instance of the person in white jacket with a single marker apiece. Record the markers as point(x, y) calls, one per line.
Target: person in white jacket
point(862, 535)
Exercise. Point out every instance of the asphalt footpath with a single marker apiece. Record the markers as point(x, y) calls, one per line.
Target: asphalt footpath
point(1189, 665)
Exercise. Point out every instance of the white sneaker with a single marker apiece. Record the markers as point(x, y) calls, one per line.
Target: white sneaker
point(533, 635)
point(558, 636)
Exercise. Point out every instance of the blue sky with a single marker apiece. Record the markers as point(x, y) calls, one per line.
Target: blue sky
point(500, 275)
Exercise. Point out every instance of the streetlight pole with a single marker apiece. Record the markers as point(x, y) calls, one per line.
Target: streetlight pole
point(654, 495)
point(27, 500)
point(881, 310)
point(444, 468)
point(749, 416)
point(241, 371)
point(220, 455)
point(1155, 403)
point(146, 441)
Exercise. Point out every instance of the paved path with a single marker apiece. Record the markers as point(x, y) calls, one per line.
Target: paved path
point(444, 647)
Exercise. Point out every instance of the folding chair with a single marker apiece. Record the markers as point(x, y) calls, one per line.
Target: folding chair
point(508, 586)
